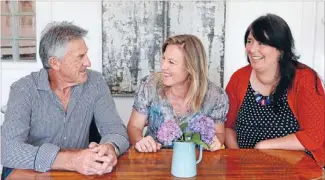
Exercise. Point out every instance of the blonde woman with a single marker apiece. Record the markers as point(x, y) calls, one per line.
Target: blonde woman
point(180, 91)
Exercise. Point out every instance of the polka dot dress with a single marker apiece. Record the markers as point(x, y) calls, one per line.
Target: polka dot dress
point(258, 122)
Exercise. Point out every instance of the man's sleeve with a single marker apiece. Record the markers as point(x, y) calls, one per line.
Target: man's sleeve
point(16, 153)
point(107, 119)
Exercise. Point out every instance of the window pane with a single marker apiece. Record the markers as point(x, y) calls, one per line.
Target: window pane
point(26, 6)
point(27, 26)
point(6, 27)
point(6, 49)
point(18, 30)
point(27, 49)
point(5, 7)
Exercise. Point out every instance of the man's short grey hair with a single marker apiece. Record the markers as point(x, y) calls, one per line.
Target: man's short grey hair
point(55, 38)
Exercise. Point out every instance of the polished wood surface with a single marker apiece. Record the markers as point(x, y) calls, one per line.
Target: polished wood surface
point(223, 164)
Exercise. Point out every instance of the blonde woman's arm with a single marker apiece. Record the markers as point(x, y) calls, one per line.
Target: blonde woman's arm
point(135, 131)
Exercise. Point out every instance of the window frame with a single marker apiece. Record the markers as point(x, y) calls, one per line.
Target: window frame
point(15, 37)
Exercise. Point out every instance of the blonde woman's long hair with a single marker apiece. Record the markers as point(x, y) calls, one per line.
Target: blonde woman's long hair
point(196, 65)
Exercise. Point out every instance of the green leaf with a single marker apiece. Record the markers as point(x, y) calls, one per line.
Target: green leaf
point(183, 126)
point(201, 143)
point(196, 138)
point(188, 134)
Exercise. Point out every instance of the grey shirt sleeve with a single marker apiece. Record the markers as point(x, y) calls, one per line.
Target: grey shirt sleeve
point(107, 119)
point(16, 153)
point(220, 107)
point(216, 103)
point(141, 98)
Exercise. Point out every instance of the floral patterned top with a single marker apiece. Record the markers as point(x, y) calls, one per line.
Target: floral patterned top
point(150, 102)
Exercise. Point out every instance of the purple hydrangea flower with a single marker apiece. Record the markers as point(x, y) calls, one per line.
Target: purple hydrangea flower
point(168, 132)
point(204, 126)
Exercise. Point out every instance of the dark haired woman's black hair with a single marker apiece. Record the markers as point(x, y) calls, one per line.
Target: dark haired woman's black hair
point(272, 30)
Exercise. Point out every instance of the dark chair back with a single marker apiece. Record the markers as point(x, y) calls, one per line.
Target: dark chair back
point(94, 135)
point(5, 172)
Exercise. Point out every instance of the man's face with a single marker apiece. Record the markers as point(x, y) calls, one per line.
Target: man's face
point(73, 67)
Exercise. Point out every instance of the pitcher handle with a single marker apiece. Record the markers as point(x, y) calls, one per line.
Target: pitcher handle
point(200, 155)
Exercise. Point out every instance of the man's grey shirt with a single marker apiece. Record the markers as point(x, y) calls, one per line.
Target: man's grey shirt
point(36, 126)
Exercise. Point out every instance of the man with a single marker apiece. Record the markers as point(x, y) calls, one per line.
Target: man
point(49, 112)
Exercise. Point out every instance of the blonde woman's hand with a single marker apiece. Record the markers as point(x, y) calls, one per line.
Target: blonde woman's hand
point(215, 144)
point(147, 144)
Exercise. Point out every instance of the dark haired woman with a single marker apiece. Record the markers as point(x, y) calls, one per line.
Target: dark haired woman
point(275, 102)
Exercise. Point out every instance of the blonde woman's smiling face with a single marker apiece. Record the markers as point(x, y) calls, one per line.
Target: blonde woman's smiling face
point(173, 66)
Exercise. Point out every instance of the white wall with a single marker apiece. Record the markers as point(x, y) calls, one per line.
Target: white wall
point(301, 17)
point(318, 51)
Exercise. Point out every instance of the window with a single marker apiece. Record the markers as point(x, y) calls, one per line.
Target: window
point(18, 31)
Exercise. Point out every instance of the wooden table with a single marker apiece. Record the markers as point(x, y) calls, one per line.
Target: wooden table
point(223, 164)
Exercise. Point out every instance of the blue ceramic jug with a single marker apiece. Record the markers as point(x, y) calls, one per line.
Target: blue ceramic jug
point(184, 159)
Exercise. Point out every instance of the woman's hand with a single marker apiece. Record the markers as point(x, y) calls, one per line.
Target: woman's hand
point(147, 144)
point(262, 145)
point(215, 144)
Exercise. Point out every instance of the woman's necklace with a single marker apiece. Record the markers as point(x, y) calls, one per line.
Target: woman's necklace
point(180, 110)
point(259, 97)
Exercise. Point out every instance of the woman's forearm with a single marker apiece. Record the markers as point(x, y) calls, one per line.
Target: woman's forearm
point(135, 134)
point(221, 138)
point(231, 139)
point(289, 142)
point(220, 133)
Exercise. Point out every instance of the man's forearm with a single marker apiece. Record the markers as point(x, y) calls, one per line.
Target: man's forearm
point(64, 160)
point(119, 140)
point(114, 147)
point(37, 158)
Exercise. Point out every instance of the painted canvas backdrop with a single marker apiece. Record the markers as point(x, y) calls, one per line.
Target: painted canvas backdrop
point(133, 33)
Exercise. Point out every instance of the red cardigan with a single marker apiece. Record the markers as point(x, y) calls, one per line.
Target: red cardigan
point(305, 103)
